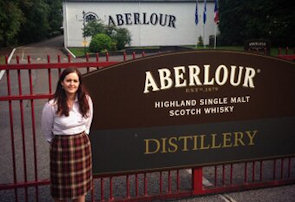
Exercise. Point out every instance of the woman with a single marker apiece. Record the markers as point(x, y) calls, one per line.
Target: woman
point(66, 121)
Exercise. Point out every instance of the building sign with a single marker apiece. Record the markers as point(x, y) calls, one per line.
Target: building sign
point(186, 109)
point(135, 18)
point(143, 19)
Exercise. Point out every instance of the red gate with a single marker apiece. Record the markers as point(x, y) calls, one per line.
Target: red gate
point(24, 159)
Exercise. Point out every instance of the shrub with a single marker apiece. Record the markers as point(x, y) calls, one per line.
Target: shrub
point(119, 36)
point(93, 27)
point(100, 42)
point(122, 37)
point(200, 41)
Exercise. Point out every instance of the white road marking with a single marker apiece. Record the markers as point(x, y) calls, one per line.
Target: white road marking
point(23, 54)
point(9, 58)
point(70, 52)
point(225, 197)
point(207, 183)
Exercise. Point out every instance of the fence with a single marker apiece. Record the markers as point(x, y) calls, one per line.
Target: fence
point(287, 55)
point(24, 159)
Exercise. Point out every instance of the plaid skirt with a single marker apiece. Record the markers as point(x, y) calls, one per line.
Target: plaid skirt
point(70, 166)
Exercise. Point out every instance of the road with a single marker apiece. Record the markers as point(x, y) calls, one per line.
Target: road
point(38, 53)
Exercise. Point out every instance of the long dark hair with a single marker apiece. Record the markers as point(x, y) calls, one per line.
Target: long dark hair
point(60, 96)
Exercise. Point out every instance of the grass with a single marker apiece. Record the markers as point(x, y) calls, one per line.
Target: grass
point(80, 51)
point(2, 60)
point(273, 51)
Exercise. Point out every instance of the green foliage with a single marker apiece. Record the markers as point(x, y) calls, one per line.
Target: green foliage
point(11, 18)
point(24, 21)
point(100, 43)
point(93, 27)
point(36, 25)
point(77, 51)
point(55, 17)
point(120, 36)
point(256, 19)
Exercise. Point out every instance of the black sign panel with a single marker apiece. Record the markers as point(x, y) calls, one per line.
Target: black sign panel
point(258, 45)
point(191, 108)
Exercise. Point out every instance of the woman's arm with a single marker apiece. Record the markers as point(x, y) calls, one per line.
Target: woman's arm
point(47, 121)
point(90, 115)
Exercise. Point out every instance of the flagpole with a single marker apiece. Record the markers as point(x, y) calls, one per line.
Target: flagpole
point(215, 36)
point(204, 35)
point(204, 21)
point(196, 15)
point(216, 20)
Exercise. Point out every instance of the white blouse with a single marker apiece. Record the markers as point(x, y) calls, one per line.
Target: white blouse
point(53, 124)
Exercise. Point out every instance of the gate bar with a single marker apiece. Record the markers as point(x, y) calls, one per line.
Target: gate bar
point(21, 106)
point(33, 130)
point(197, 184)
point(11, 130)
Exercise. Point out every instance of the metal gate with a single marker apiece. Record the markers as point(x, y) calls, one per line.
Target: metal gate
point(24, 160)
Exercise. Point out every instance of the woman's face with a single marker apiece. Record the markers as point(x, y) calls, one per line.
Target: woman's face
point(71, 83)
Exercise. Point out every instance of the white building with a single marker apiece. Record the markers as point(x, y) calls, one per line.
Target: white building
point(150, 22)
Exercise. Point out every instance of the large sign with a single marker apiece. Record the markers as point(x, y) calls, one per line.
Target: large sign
point(191, 108)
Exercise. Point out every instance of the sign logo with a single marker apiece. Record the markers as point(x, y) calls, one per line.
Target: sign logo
point(90, 16)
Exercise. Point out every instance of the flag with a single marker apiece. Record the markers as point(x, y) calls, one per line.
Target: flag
point(216, 16)
point(205, 10)
point(196, 13)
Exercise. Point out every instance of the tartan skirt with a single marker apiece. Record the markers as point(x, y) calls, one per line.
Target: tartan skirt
point(70, 166)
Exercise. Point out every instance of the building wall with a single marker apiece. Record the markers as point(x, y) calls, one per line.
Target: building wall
point(145, 21)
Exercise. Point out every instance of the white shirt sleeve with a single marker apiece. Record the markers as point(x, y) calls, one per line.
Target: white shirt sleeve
point(89, 120)
point(47, 120)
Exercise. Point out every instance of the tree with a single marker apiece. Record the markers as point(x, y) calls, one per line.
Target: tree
point(36, 25)
point(256, 19)
point(93, 27)
point(11, 18)
point(55, 17)
point(120, 36)
point(24, 21)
